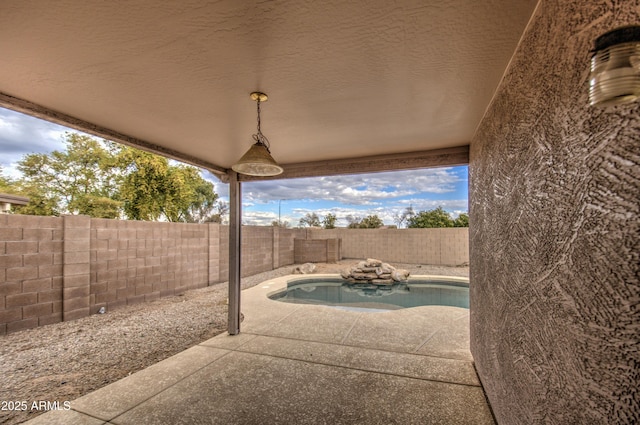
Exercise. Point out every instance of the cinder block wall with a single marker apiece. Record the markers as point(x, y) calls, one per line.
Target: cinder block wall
point(257, 257)
point(447, 246)
point(286, 238)
point(76, 267)
point(555, 246)
point(30, 271)
point(137, 261)
point(266, 248)
point(65, 268)
point(316, 250)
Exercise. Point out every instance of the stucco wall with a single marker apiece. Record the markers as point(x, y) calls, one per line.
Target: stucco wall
point(554, 246)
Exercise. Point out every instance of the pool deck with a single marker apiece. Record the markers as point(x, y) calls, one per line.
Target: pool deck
point(304, 364)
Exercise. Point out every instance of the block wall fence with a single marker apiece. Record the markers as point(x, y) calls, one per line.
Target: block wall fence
point(443, 246)
point(55, 269)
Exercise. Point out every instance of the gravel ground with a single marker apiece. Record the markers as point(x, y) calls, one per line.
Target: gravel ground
point(64, 361)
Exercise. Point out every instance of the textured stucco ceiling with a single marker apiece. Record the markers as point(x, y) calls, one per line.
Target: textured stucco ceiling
point(344, 79)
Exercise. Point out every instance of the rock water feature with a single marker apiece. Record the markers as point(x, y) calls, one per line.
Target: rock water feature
point(374, 272)
point(373, 278)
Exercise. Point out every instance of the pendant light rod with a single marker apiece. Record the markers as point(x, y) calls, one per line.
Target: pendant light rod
point(259, 137)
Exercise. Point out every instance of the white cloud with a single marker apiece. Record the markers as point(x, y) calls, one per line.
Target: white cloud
point(383, 194)
point(359, 189)
point(422, 204)
point(387, 214)
point(21, 134)
point(259, 218)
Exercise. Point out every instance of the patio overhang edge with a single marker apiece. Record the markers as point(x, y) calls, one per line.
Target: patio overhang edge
point(445, 157)
point(453, 156)
point(39, 111)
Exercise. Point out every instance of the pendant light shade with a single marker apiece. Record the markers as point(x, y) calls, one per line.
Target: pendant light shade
point(258, 160)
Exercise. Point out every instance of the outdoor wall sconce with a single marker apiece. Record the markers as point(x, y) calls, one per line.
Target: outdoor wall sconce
point(258, 160)
point(615, 67)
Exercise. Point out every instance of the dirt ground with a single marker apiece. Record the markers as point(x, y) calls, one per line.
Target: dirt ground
point(64, 361)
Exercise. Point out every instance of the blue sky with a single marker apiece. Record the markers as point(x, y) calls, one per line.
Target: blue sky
point(383, 194)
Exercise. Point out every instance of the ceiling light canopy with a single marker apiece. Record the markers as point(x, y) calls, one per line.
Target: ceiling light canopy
point(615, 67)
point(257, 161)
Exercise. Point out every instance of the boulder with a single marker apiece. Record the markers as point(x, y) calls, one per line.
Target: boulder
point(372, 262)
point(400, 275)
point(306, 268)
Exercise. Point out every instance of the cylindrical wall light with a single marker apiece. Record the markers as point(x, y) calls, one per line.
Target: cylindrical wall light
point(615, 67)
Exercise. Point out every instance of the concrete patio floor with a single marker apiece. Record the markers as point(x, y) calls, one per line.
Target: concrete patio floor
point(304, 364)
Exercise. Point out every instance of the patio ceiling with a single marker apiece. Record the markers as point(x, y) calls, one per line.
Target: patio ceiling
point(345, 79)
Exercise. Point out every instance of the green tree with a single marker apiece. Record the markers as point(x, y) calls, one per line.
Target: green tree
point(461, 221)
point(36, 183)
point(38, 203)
point(283, 224)
point(310, 220)
point(371, 222)
point(204, 203)
point(401, 218)
point(80, 180)
point(329, 221)
point(103, 179)
point(221, 211)
point(153, 189)
point(42, 201)
point(353, 222)
point(6, 185)
point(437, 217)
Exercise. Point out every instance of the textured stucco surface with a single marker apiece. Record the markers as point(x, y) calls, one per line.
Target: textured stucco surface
point(554, 246)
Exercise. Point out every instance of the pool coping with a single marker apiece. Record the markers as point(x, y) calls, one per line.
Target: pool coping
point(282, 283)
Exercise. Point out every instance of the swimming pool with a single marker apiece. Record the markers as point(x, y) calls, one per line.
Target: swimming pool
point(417, 291)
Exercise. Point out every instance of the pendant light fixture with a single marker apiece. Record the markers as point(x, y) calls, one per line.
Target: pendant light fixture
point(258, 160)
point(615, 67)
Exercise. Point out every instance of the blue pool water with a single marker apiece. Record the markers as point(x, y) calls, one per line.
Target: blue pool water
point(414, 293)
